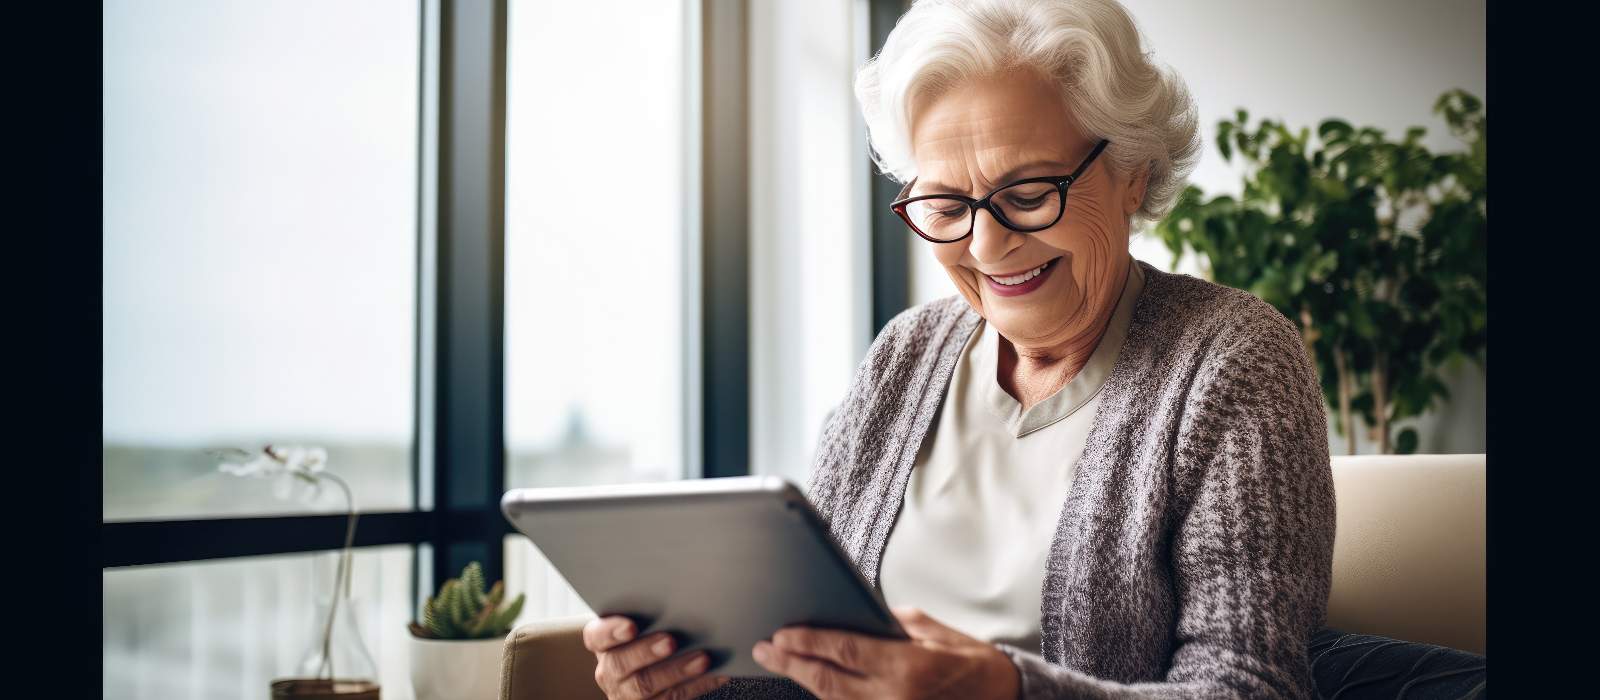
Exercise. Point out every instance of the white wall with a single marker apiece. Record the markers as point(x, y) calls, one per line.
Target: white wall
point(1370, 62)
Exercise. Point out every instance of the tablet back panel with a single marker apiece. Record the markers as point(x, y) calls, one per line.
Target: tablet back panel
point(722, 563)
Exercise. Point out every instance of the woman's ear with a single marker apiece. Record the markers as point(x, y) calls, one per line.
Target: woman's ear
point(1135, 190)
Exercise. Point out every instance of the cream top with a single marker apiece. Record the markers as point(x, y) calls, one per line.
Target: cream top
point(986, 490)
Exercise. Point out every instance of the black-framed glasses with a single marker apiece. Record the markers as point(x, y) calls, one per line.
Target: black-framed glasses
point(1028, 205)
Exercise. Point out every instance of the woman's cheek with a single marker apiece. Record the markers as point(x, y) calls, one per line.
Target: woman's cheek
point(964, 278)
point(949, 254)
point(949, 257)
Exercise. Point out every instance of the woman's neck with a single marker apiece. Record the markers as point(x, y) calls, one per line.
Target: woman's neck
point(1033, 374)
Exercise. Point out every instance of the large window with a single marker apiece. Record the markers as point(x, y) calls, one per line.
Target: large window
point(596, 290)
point(595, 284)
point(259, 286)
point(259, 244)
point(465, 247)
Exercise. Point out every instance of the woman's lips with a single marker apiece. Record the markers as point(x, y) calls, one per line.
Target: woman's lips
point(1015, 290)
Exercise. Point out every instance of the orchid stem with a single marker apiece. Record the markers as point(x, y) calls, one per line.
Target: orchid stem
point(341, 581)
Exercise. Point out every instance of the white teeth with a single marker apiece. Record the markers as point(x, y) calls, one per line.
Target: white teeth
point(1019, 279)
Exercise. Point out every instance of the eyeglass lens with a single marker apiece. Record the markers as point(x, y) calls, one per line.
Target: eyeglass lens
point(1028, 205)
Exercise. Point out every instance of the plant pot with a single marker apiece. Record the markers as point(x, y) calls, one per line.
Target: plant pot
point(463, 669)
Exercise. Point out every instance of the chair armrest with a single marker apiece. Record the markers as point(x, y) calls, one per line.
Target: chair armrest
point(547, 659)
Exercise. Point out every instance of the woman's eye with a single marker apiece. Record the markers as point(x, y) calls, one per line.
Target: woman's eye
point(951, 212)
point(1025, 203)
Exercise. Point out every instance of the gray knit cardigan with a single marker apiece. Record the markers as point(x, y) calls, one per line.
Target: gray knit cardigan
point(1194, 550)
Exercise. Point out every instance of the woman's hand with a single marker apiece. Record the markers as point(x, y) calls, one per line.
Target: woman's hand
point(938, 662)
point(636, 669)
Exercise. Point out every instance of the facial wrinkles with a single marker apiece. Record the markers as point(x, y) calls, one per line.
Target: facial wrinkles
point(1089, 229)
point(999, 153)
point(984, 172)
point(965, 147)
point(947, 159)
point(961, 158)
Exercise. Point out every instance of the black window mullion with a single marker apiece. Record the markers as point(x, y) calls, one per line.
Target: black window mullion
point(468, 422)
point(725, 240)
point(137, 543)
point(426, 324)
point(891, 258)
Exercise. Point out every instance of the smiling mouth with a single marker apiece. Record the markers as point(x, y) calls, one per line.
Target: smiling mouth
point(1014, 280)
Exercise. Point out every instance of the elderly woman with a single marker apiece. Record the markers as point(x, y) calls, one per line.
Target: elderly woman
point(1081, 476)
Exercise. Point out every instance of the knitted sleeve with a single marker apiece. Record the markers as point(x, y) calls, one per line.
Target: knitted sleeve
point(1252, 537)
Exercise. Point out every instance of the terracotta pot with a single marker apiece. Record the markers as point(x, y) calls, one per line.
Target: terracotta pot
point(456, 669)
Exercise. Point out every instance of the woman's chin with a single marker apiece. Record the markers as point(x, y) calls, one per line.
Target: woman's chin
point(1034, 316)
point(1035, 309)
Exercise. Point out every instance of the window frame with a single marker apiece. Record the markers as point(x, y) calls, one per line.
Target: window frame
point(891, 246)
point(458, 443)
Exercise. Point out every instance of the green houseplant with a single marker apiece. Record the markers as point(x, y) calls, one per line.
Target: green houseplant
point(463, 610)
point(456, 648)
point(1374, 247)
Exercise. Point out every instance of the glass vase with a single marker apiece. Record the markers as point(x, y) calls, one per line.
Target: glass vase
point(336, 663)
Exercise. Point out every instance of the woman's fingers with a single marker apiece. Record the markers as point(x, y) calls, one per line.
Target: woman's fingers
point(694, 688)
point(627, 659)
point(853, 652)
point(660, 680)
point(822, 678)
point(637, 669)
point(602, 633)
point(922, 626)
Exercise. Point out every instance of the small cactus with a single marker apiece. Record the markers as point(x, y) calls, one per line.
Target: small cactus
point(463, 610)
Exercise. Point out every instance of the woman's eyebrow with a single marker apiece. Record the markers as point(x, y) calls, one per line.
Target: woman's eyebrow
point(1045, 167)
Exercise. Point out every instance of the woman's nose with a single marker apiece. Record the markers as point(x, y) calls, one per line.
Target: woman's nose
point(991, 241)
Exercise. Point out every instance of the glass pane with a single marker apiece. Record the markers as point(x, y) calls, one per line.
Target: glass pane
point(227, 628)
point(260, 175)
point(944, 219)
point(594, 243)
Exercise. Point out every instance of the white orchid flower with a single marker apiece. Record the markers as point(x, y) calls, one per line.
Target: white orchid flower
point(298, 470)
point(258, 467)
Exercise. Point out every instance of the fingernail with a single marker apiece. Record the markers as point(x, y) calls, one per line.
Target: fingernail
point(699, 664)
point(622, 633)
point(662, 647)
point(762, 654)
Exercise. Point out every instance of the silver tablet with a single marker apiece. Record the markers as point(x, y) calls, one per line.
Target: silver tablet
point(721, 563)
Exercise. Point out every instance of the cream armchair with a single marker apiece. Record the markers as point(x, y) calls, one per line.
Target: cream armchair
point(1408, 564)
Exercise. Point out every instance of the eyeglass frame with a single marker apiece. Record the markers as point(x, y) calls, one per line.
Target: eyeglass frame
point(1062, 182)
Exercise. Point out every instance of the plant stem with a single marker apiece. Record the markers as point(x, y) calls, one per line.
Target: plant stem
point(1380, 394)
point(1308, 335)
point(341, 580)
point(1380, 368)
point(1343, 370)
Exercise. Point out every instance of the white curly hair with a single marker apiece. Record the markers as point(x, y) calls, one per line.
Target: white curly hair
point(1090, 48)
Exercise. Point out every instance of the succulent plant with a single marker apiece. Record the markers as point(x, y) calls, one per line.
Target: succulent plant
point(463, 610)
